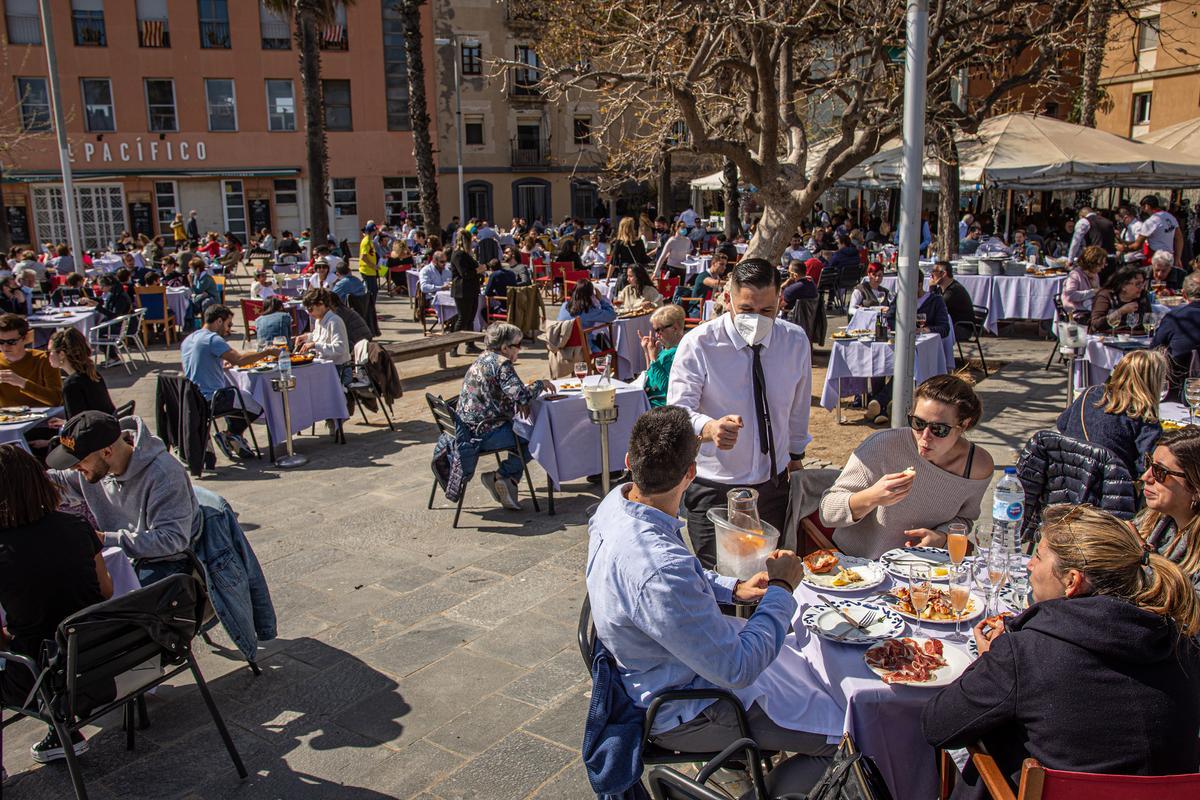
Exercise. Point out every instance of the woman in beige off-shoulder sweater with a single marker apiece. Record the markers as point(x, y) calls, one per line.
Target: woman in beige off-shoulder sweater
point(903, 486)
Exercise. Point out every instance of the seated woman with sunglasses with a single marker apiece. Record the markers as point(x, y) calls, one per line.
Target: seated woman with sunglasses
point(1170, 522)
point(903, 486)
point(1112, 623)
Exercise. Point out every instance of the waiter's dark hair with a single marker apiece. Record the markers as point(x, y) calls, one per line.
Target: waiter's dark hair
point(27, 494)
point(757, 273)
point(662, 446)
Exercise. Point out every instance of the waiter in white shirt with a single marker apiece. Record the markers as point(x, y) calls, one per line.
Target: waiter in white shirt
point(1159, 229)
point(746, 380)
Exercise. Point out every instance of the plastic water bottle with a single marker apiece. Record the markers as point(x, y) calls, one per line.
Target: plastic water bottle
point(1008, 508)
point(285, 362)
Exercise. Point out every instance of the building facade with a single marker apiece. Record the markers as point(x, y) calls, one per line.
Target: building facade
point(1151, 73)
point(522, 154)
point(175, 105)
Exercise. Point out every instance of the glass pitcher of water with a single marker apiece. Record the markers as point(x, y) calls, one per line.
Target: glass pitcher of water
point(742, 505)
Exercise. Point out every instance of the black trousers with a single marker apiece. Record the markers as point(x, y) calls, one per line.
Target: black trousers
point(703, 495)
point(467, 308)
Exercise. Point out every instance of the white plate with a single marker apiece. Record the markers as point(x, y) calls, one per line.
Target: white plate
point(974, 610)
point(956, 660)
point(827, 624)
point(897, 562)
point(872, 575)
point(1016, 594)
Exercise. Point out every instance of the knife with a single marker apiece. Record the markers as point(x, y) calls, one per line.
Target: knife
point(841, 613)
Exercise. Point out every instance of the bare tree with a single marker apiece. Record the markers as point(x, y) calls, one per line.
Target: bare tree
point(1095, 41)
point(761, 84)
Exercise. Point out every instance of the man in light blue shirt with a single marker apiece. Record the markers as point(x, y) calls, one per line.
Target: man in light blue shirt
point(435, 276)
point(656, 608)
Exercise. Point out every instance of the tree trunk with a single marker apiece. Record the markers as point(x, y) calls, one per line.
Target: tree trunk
point(418, 112)
point(665, 206)
point(781, 214)
point(1095, 41)
point(315, 148)
point(948, 194)
point(733, 220)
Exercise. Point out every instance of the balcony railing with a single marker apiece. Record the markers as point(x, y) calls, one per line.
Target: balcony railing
point(530, 154)
point(24, 29)
point(89, 29)
point(276, 35)
point(215, 35)
point(335, 37)
point(525, 84)
point(153, 33)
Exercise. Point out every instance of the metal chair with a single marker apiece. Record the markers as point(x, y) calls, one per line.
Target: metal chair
point(108, 338)
point(972, 331)
point(447, 423)
point(132, 330)
point(362, 385)
point(237, 410)
point(1060, 315)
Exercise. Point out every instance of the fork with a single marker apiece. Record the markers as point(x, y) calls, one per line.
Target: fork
point(870, 619)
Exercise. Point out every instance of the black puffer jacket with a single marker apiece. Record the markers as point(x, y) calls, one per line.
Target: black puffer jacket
point(1058, 469)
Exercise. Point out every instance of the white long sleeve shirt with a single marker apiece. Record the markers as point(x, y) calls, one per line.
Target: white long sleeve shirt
point(676, 249)
point(431, 278)
point(711, 377)
point(329, 338)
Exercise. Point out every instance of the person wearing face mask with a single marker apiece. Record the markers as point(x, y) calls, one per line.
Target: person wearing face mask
point(745, 378)
point(904, 486)
point(1112, 628)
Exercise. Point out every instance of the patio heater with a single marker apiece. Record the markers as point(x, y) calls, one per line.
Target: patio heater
point(285, 384)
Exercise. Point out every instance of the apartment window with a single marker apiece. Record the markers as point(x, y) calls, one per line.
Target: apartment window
point(287, 192)
point(401, 195)
point(214, 24)
point(235, 208)
point(222, 104)
point(337, 105)
point(98, 105)
point(395, 70)
point(281, 105)
point(24, 24)
point(152, 23)
point(276, 29)
point(1141, 108)
point(87, 20)
point(1147, 33)
point(526, 78)
point(583, 129)
point(479, 200)
point(34, 96)
point(160, 105)
point(472, 58)
point(167, 205)
point(345, 197)
point(473, 129)
point(334, 35)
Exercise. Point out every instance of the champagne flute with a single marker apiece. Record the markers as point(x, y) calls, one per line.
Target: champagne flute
point(956, 542)
point(997, 574)
point(919, 590)
point(1191, 395)
point(960, 597)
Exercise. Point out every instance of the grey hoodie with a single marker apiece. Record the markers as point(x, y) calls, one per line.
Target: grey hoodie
point(150, 511)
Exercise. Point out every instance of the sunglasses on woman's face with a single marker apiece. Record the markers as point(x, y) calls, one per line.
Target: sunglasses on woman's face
point(939, 429)
point(1160, 472)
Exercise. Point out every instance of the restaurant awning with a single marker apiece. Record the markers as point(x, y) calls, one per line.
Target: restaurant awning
point(1182, 137)
point(22, 176)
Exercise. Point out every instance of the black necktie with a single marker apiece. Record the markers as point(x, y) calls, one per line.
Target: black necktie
point(766, 441)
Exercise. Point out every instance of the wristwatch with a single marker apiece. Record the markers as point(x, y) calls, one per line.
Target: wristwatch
point(782, 584)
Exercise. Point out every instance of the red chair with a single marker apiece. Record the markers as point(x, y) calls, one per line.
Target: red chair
point(425, 313)
point(687, 302)
point(667, 287)
point(552, 282)
point(579, 338)
point(57, 281)
point(251, 310)
point(572, 277)
point(1042, 783)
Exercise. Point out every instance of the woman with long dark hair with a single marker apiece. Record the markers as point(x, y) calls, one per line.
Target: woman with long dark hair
point(1122, 303)
point(1170, 522)
point(590, 309)
point(639, 290)
point(83, 388)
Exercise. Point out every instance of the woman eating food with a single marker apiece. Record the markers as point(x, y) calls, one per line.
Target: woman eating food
point(1122, 415)
point(903, 486)
point(1171, 488)
point(1101, 674)
point(1121, 304)
point(871, 292)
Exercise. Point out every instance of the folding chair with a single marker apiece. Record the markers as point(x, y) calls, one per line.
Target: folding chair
point(971, 331)
point(108, 338)
point(153, 301)
point(425, 313)
point(363, 385)
point(579, 338)
point(219, 280)
point(667, 287)
point(237, 410)
point(1060, 316)
point(446, 421)
point(125, 646)
point(131, 332)
point(251, 310)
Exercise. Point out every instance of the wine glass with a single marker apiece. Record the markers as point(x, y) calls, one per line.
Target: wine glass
point(920, 322)
point(581, 369)
point(1132, 320)
point(602, 364)
point(997, 573)
point(956, 542)
point(919, 590)
point(1191, 394)
point(960, 596)
point(1150, 321)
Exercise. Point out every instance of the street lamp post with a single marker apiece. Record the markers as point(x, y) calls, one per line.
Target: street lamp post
point(458, 123)
point(60, 130)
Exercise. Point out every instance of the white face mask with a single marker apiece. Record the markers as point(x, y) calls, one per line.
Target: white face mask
point(752, 327)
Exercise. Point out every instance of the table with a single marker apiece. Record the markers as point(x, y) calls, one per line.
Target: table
point(627, 341)
point(697, 264)
point(864, 319)
point(851, 362)
point(295, 286)
point(14, 432)
point(318, 396)
point(44, 326)
point(109, 263)
point(179, 300)
point(1006, 296)
point(564, 440)
point(443, 304)
point(605, 286)
point(413, 276)
point(120, 569)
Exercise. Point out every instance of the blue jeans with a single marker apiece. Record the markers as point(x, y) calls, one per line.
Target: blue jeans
point(149, 572)
point(511, 467)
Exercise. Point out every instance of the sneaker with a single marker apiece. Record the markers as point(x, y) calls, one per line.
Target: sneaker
point(210, 459)
point(882, 419)
point(488, 479)
point(50, 749)
point(507, 491)
point(243, 448)
point(223, 442)
point(874, 409)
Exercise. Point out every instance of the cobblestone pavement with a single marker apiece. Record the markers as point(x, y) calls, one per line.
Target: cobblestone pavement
point(414, 660)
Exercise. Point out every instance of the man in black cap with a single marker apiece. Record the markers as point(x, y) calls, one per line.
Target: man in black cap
point(139, 495)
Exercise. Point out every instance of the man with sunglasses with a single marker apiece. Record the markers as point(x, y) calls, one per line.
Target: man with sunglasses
point(26, 376)
point(666, 326)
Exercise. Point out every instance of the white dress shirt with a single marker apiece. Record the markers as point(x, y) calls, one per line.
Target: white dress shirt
point(715, 350)
point(432, 279)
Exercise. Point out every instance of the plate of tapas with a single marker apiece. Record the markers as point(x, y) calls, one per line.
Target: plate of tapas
point(938, 608)
point(837, 572)
point(900, 561)
point(917, 662)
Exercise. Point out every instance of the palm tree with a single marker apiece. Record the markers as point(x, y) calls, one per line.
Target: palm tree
point(418, 112)
point(310, 17)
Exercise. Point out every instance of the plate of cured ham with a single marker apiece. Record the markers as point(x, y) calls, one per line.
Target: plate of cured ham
point(917, 662)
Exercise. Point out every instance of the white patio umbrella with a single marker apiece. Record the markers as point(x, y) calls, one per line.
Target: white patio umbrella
point(1182, 137)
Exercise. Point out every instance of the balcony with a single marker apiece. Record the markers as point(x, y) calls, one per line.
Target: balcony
point(24, 29)
point(527, 154)
point(153, 33)
point(525, 86)
point(276, 35)
point(335, 37)
point(214, 35)
point(89, 29)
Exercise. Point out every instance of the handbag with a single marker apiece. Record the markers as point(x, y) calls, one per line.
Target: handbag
point(851, 776)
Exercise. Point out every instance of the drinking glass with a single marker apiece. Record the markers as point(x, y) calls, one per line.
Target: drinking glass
point(1132, 320)
point(280, 341)
point(956, 542)
point(919, 590)
point(1191, 394)
point(997, 574)
point(581, 369)
point(920, 322)
point(602, 363)
point(960, 597)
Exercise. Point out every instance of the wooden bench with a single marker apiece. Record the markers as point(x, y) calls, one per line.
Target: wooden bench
point(431, 345)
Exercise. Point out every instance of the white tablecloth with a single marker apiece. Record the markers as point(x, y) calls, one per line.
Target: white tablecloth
point(628, 333)
point(14, 432)
point(851, 362)
point(1007, 296)
point(179, 300)
point(413, 276)
point(564, 440)
point(318, 396)
point(44, 327)
point(120, 568)
point(1098, 360)
point(443, 304)
point(697, 264)
point(102, 264)
point(605, 286)
point(864, 319)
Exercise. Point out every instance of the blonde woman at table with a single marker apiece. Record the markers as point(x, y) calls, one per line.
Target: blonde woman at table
point(1100, 675)
point(51, 565)
point(1170, 522)
point(903, 486)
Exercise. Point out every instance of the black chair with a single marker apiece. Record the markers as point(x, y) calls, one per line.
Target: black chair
point(972, 331)
point(1060, 316)
point(667, 783)
point(121, 648)
point(238, 409)
point(847, 279)
point(363, 387)
point(446, 421)
point(827, 290)
point(125, 410)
